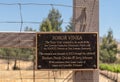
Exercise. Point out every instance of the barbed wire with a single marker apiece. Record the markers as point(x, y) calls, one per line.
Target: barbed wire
point(39, 4)
point(21, 22)
point(36, 4)
point(32, 22)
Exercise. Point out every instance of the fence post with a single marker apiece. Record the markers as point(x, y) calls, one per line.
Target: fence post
point(86, 19)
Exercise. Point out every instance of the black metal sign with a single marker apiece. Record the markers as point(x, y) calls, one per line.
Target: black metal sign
point(67, 51)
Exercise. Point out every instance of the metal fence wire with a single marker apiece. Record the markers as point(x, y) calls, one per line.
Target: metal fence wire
point(26, 71)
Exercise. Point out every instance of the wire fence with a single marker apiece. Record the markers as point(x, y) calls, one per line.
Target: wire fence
point(21, 7)
point(28, 73)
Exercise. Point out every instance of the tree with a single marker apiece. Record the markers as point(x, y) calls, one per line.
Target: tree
point(17, 54)
point(29, 29)
point(108, 48)
point(5, 53)
point(69, 27)
point(52, 22)
point(8, 54)
point(46, 26)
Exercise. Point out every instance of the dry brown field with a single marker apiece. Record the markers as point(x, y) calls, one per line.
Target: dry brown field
point(25, 75)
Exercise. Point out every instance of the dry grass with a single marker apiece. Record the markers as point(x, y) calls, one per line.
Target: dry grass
point(27, 75)
point(40, 76)
point(21, 64)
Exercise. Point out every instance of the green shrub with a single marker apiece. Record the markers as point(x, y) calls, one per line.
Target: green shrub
point(110, 67)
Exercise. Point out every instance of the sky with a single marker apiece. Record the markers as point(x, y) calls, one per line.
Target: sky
point(109, 17)
point(108, 14)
